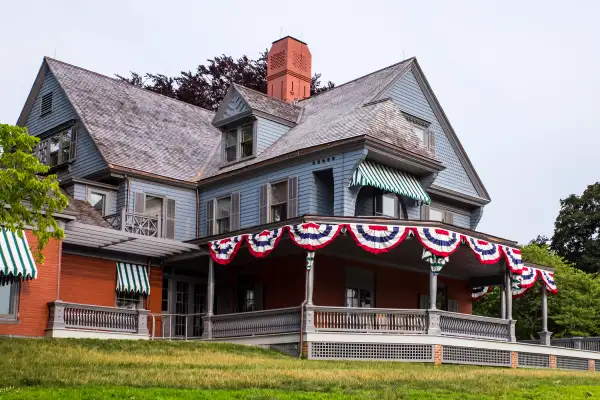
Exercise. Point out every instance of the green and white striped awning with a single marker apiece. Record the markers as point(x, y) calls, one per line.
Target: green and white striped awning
point(370, 173)
point(132, 278)
point(16, 260)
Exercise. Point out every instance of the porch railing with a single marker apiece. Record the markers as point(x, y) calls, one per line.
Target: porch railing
point(98, 318)
point(577, 343)
point(474, 326)
point(282, 320)
point(146, 225)
point(177, 326)
point(370, 320)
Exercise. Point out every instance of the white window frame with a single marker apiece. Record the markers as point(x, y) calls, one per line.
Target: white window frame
point(421, 128)
point(138, 306)
point(238, 145)
point(269, 198)
point(216, 208)
point(396, 203)
point(15, 294)
point(44, 146)
point(105, 193)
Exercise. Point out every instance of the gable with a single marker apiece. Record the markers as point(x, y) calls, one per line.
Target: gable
point(61, 111)
point(235, 106)
point(408, 95)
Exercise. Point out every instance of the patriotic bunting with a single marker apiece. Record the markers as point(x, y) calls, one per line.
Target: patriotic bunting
point(518, 292)
point(436, 262)
point(479, 292)
point(487, 253)
point(262, 244)
point(439, 241)
point(378, 238)
point(513, 259)
point(224, 250)
point(310, 259)
point(527, 278)
point(311, 236)
point(548, 278)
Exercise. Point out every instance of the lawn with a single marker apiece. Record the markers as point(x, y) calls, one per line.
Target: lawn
point(91, 369)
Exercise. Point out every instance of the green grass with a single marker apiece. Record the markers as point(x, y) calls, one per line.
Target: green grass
point(90, 369)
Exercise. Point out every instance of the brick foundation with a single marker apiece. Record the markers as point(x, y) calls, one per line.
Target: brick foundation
point(304, 350)
point(514, 359)
point(592, 365)
point(437, 354)
point(552, 361)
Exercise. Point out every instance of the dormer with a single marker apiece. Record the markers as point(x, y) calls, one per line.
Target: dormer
point(251, 122)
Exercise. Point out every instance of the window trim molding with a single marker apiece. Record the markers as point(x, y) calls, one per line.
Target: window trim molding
point(238, 145)
point(140, 304)
point(269, 194)
point(215, 208)
point(13, 317)
point(106, 193)
point(48, 135)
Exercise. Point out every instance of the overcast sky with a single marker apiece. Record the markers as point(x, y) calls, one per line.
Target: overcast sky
point(518, 80)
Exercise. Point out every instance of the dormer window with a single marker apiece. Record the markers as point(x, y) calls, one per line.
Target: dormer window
point(239, 143)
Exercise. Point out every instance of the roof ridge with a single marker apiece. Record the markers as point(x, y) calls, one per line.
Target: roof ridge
point(119, 81)
point(410, 59)
point(264, 94)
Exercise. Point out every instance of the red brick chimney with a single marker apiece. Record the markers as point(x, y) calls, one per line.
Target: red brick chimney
point(289, 70)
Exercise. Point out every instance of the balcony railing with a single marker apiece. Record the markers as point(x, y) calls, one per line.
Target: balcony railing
point(282, 320)
point(73, 316)
point(342, 319)
point(146, 225)
point(474, 326)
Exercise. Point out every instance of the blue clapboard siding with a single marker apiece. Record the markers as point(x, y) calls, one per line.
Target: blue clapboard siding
point(185, 204)
point(324, 192)
point(268, 132)
point(88, 160)
point(342, 164)
point(407, 94)
point(476, 217)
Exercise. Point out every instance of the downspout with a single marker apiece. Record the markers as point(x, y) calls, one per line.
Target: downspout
point(128, 185)
point(197, 211)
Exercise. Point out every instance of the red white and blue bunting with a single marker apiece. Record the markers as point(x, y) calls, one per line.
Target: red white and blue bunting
point(513, 259)
point(223, 251)
point(486, 252)
point(310, 259)
point(479, 292)
point(440, 242)
point(378, 238)
point(435, 262)
point(311, 236)
point(438, 245)
point(262, 244)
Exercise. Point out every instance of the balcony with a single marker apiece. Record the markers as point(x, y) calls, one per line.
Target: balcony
point(130, 222)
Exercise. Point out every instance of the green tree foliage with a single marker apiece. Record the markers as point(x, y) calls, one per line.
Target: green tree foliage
point(574, 311)
point(26, 199)
point(207, 86)
point(576, 229)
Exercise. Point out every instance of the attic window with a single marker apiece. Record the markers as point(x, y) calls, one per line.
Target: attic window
point(46, 106)
point(238, 143)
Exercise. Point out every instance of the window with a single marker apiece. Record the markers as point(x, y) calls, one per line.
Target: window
point(9, 298)
point(238, 143)
point(57, 149)
point(419, 131)
point(98, 201)
point(279, 200)
point(386, 205)
point(249, 300)
point(165, 295)
point(356, 297)
point(436, 214)
point(46, 105)
point(129, 300)
point(223, 218)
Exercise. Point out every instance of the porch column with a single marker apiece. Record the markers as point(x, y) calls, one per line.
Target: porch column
point(309, 309)
point(508, 294)
point(210, 300)
point(502, 302)
point(432, 290)
point(544, 334)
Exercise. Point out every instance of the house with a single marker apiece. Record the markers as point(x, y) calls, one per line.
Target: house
point(338, 226)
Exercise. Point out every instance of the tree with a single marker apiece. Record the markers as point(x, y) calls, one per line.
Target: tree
point(576, 229)
point(574, 311)
point(27, 199)
point(207, 86)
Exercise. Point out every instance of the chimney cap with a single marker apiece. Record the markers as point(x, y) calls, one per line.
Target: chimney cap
point(291, 37)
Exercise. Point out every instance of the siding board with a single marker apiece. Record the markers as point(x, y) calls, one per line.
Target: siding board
point(268, 132)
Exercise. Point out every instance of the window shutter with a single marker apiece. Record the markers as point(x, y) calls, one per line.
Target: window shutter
point(292, 205)
point(424, 212)
point(263, 200)
point(139, 202)
point(46, 104)
point(431, 135)
point(449, 217)
point(73, 142)
point(170, 231)
point(452, 305)
point(423, 302)
point(235, 211)
point(210, 217)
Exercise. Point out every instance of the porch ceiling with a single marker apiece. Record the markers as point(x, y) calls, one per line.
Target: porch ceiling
point(110, 239)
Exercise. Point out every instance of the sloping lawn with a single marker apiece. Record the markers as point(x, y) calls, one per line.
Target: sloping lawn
point(93, 369)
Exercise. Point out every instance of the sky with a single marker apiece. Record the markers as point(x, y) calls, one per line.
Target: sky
point(518, 80)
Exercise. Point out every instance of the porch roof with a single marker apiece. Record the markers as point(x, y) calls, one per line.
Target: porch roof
point(110, 239)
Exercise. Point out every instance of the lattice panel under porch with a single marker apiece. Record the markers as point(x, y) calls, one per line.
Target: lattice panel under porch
point(533, 360)
point(370, 351)
point(580, 364)
point(291, 349)
point(467, 355)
